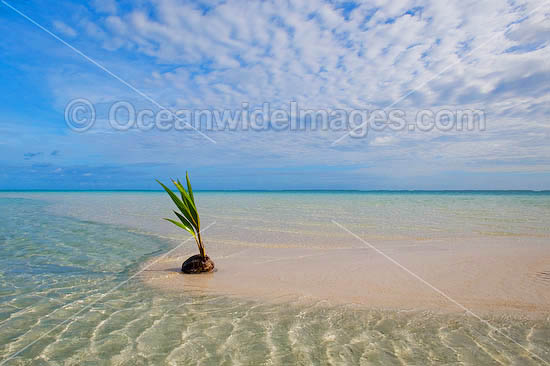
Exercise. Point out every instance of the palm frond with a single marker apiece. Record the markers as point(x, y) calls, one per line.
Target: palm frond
point(188, 214)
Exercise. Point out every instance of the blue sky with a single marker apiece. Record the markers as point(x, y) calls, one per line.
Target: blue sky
point(487, 55)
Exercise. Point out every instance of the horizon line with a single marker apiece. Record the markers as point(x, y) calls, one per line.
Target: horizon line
point(283, 190)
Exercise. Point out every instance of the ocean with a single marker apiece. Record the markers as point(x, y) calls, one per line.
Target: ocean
point(74, 289)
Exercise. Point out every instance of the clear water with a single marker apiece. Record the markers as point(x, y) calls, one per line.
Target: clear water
point(67, 295)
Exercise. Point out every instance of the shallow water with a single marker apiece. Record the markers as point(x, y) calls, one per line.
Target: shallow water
point(68, 295)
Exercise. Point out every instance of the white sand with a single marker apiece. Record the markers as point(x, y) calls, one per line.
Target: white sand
point(502, 276)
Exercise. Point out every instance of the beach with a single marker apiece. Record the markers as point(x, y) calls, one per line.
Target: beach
point(480, 276)
point(301, 277)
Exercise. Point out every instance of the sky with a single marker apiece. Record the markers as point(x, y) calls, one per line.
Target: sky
point(490, 56)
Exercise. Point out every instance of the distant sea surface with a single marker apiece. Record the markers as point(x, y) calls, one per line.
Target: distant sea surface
point(68, 294)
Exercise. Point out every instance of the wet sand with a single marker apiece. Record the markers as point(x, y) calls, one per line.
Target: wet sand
point(503, 276)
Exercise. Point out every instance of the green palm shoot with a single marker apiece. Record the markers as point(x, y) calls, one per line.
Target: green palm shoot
point(188, 215)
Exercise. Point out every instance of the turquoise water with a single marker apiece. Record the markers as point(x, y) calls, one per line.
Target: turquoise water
point(68, 295)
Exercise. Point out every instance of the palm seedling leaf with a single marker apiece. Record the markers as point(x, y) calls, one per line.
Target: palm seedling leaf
point(189, 188)
point(188, 215)
point(187, 228)
point(181, 205)
point(189, 203)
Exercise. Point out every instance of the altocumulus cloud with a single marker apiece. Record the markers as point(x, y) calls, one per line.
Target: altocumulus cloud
point(323, 55)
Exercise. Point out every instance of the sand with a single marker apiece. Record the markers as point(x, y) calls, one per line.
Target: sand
point(483, 276)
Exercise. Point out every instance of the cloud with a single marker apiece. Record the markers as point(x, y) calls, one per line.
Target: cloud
point(64, 29)
point(383, 141)
point(105, 6)
point(488, 55)
point(338, 55)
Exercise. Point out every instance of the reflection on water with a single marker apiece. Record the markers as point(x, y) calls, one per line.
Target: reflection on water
point(53, 267)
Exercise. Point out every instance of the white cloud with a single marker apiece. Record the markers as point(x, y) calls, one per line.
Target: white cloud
point(105, 6)
point(64, 29)
point(383, 141)
point(188, 57)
